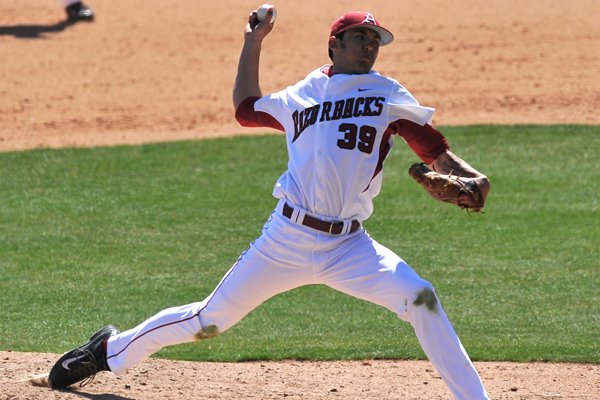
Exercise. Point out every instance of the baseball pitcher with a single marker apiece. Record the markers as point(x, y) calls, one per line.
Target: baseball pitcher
point(340, 123)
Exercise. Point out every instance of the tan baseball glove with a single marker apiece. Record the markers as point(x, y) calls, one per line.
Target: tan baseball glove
point(461, 191)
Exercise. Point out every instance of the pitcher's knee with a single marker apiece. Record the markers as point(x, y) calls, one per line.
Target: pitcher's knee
point(420, 300)
point(426, 297)
point(207, 332)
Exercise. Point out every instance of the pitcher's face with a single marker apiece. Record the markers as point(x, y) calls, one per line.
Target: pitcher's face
point(355, 52)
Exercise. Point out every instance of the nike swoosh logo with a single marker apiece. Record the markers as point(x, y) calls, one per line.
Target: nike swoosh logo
point(362, 90)
point(68, 361)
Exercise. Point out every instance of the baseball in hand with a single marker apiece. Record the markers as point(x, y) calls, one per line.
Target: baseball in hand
point(262, 11)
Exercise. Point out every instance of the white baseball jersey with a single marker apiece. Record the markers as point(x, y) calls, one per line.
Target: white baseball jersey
point(338, 138)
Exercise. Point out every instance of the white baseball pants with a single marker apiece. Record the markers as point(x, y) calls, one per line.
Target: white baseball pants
point(288, 255)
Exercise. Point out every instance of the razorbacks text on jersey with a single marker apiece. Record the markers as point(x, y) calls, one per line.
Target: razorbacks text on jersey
point(346, 121)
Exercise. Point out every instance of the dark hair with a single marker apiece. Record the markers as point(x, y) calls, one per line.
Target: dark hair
point(338, 36)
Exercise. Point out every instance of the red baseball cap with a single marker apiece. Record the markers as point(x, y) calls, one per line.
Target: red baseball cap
point(362, 19)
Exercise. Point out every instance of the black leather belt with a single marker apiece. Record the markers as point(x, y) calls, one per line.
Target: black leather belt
point(334, 228)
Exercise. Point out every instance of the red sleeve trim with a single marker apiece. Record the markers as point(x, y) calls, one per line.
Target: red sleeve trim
point(247, 116)
point(424, 140)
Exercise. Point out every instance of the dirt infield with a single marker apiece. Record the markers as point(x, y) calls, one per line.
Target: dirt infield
point(145, 72)
point(149, 70)
point(347, 380)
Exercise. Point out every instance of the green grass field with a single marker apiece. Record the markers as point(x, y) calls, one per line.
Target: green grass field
point(114, 235)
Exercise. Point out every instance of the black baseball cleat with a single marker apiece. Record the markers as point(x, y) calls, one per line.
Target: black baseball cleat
point(79, 12)
point(82, 363)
